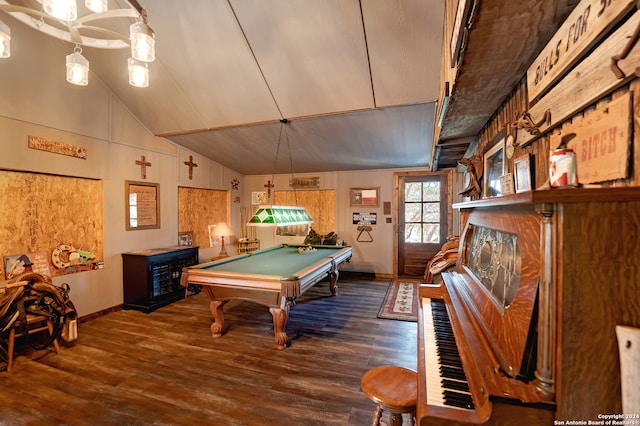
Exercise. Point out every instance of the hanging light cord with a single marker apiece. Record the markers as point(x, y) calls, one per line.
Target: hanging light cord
point(275, 161)
point(291, 182)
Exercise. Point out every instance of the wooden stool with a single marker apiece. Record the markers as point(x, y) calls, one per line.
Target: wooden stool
point(394, 389)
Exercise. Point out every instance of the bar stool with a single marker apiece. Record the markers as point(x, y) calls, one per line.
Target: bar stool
point(393, 389)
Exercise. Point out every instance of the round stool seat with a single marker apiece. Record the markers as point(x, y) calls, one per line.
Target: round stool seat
point(393, 388)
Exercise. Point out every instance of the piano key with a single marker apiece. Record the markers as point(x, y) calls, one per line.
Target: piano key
point(446, 381)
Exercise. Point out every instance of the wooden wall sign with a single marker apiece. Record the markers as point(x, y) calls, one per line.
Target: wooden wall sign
point(602, 143)
point(57, 147)
point(570, 95)
point(588, 22)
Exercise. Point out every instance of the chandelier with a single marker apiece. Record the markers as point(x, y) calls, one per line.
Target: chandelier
point(60, 19)
point(269, 215)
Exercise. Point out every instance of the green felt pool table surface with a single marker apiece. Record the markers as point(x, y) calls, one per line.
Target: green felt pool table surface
point(283, 261)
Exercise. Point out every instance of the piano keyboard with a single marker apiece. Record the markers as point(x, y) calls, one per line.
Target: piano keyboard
point(447, 384)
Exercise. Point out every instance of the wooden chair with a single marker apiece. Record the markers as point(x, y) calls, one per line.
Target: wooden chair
point(36, 324)
point(393, 389)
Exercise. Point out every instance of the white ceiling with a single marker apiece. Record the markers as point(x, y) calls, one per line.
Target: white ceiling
point(356, 78)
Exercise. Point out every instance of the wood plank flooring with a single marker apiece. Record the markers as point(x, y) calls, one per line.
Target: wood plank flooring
point(163, 368)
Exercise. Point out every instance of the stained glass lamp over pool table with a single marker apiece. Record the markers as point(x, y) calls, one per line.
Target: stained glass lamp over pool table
point(280, 216)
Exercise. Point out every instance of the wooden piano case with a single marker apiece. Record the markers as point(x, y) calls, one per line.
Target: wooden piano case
point(549, 340)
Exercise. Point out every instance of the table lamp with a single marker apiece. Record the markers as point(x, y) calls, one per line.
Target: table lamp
point(222, 230)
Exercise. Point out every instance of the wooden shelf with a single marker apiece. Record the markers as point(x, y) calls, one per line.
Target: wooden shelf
point(557, 196)
point(247, 246)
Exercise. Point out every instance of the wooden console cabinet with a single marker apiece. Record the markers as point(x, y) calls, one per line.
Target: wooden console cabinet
point(151, 278)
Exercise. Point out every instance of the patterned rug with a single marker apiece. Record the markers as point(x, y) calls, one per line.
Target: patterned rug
point(401, 301)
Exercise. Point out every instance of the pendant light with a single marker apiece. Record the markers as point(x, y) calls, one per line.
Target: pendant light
point(138, 73)
point(5, 40)
point(269, 215)
point(142, 40)
point(59, 19)
point(64, 10)
point(96, 6)
point(77, 68)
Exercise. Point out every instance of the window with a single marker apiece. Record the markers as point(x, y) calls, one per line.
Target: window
point(422, 211)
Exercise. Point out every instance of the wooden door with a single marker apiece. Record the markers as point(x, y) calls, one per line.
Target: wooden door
point(422, 219)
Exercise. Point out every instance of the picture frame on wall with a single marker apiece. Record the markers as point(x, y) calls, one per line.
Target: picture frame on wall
point(495, 166)
point(142, 205)
point(365, 197)
point(523, 173)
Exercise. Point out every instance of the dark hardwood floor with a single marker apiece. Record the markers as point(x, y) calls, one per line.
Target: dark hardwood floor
point(163, 368)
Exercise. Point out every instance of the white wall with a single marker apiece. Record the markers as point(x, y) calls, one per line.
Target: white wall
point(36, 100)
point(376, 256)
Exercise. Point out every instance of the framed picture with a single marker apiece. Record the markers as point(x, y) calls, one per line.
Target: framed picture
point(185, 238)
point(142, 205)
point(259, 197)
point(506, 184)
point(494, 167)
point(365, 197)
point(523, 174)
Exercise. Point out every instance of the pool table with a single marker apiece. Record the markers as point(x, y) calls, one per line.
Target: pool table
point(273, 277)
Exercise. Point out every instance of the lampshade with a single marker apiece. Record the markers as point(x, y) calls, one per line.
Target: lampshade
point(77, 68)
point(142, 42)
point(96, 6)
point(138, 73)
point(221, 230)
point(280, 216)
point(5, 40)
point(65, 10)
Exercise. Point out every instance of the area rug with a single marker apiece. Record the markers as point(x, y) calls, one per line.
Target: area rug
point(401, 301)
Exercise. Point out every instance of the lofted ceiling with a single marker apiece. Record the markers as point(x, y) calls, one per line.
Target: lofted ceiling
point(356, 79)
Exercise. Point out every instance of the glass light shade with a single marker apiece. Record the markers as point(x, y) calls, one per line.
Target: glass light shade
point(138, 73)
point(5, 40)
point(280, 216)
point(65, 10)
point(96, 6)
point(142, 42)
point(77, 69)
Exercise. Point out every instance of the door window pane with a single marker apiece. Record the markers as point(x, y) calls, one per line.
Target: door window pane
point(431, 233)
point(431, 191)
point(413, 233)
point(412, 212)
point(431, 213)
point(422, 211)
point(413, 191)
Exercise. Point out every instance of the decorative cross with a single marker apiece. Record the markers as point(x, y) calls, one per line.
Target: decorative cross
point(191, 165)
point(269, 185)
point(143, 163)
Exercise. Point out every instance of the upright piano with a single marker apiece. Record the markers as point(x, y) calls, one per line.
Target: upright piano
point(522, 331)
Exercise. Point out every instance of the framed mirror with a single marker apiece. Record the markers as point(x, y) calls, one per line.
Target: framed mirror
point(494, 167)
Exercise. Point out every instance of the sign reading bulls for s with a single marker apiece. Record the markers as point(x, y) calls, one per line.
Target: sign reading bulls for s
point(602, 142)
point(583, 28)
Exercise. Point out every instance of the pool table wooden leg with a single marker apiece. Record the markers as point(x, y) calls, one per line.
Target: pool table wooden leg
point(280, 317)
point(216, 307)
point(333, 280)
